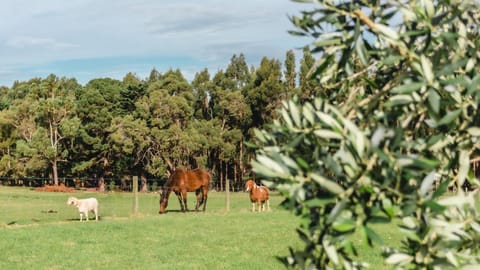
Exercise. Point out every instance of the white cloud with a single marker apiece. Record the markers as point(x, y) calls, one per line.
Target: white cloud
point(32, 42)
point(42, 33)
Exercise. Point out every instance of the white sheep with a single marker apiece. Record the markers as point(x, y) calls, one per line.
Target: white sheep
point(84, 206)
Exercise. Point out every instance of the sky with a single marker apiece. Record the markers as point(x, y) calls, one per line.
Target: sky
point(88, 39)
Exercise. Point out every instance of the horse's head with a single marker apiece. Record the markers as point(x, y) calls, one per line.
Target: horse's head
point(249, 185)
point(163, 200)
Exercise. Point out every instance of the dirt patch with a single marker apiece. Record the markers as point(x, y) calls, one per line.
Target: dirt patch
point(59, 188)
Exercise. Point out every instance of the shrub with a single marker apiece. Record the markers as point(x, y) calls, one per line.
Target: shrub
point(399, 88)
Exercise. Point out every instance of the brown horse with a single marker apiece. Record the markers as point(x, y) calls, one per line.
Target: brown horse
point(183, 181)
point(259, 195)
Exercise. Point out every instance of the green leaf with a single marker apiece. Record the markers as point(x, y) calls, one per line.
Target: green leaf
point(329, 121)
point(398, 258)
point(317, 202)
point(286, 118)
point(418, 162)
point(328, 42)
point(296, 141)
point(344, 225)
point(295, 113)
point(303, 236)
point(452, 67)
point(435, 207)
point(331, 252)
point(474, 131)
point(408, 88)
point(327, 134)
point(390, 60)
point(371, 236)
point(464, 166)
point(434, 100)
point(360, 49)
point(399, 100)
point(427, 183)
point(386, 31)
point(327, 184)
point(449, 117)
point(302, 163)
point(441, 189)
point(427, 69)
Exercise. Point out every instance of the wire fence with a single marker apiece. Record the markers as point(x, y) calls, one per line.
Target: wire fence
point(110, 184)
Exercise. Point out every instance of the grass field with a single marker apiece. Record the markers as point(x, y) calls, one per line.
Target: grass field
point(39, 231)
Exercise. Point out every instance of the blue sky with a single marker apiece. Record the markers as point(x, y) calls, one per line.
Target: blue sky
point(89, 39)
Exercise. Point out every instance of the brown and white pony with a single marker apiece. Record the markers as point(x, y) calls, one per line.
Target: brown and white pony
point(259, 195)
point(183, 181)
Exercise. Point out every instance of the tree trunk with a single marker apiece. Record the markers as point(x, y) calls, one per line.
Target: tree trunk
point(101, 184)
point(240, 162)
point(55, 172)
point(143, 181)
point(235, 177)
point(227, 191)
point(221, 175)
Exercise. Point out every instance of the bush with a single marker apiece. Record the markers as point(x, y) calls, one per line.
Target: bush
point(399, 88)
point(111, 186)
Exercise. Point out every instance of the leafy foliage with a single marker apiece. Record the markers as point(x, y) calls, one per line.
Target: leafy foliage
point(399, 90)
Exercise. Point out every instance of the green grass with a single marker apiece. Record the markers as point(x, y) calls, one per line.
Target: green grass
point(40, 231)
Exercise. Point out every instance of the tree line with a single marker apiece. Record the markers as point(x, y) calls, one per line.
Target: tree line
point(54, 127)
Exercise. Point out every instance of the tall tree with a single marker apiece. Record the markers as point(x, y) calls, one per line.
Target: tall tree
point(290, 73)
point(266, 91)
point(201, 85)
point(98, 103)
point(55, 121)
point(167, 110)
point(237, 71)
point(307, 85)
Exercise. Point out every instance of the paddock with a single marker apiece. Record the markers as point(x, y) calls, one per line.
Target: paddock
point(39, 231)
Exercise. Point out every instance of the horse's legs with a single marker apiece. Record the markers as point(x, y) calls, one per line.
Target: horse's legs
point(204, 198)
point(184, 195)
point(180, 200)
point(253, 206)
point(199, 199)
point(268, 204)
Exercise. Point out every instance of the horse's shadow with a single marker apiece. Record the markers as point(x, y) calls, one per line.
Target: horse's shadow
point(180, 211)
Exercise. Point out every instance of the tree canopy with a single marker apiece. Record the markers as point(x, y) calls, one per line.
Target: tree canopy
point(54, 127)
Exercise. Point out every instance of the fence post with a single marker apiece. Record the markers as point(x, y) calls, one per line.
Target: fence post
point(227, 194)
point(135, 195)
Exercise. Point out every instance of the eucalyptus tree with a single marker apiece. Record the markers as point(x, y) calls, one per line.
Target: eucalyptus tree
point(265, 92)
point(229, 106)
point(129, 142)
point(237, 71)
point(290, 74)
point(8, 137)
point(308, 88)
point(5, 97)
point(201, 84)
point(47, 123)
point(167, 110)
point(399, 111)
point(18, 126)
